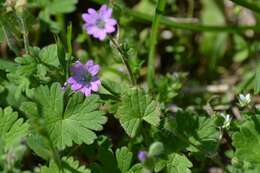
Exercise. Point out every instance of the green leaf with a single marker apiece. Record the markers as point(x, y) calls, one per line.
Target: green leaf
point(40, 146)
point(53, 168)
point(257, 79)
point(49, 55)
point(178, 164)
point(61, 6)
point(137, 168)
point(74, 124)
point(12, 128)
point(198, 130)
point(73, 166)
point(124, 159)
point(247, 141)
point(69, 165)
point(136, 107)
point(7, 66)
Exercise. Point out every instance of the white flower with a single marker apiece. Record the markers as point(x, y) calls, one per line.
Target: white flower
point(244, 100)
point(227, 119)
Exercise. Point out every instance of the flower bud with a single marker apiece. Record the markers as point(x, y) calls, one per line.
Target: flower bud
point(156, 149)
point(142, 156)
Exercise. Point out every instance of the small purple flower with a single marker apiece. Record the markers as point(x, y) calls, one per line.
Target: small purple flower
point(99, 23)
point(142, 156)
point(84, 77)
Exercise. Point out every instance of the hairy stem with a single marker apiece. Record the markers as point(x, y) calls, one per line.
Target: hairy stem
point(153, 41)
point(124, 59)
point(25, 33)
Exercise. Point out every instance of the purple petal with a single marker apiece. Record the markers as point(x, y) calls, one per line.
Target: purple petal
point(77, 67)
point(71, 80)
point(86, 91)
point(89, 63)
point(92, 11)
point(92, 30)
point(105, 12)
point(110, 29)
point(103, 9)
point(93, 70)
point(110, 22)
point(90, 19)
point(95, 85)
point(76, 86)
point(101, 35)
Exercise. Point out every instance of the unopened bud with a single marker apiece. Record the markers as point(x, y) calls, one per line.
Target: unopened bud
point(156, 149)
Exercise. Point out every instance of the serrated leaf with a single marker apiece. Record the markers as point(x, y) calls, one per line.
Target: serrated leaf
point(12, 128)
point(247, 141)
point(49, 55)
point(137, 168)
point(178, 164)
point(76, 124)
point(53, 168)
point(7, 66)
point(69, 165)
point(124, 159)
point(40, 146)
point(198, 130)
point(136, 107)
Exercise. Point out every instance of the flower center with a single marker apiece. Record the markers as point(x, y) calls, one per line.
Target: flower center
point(86, 77)
point(100, 23)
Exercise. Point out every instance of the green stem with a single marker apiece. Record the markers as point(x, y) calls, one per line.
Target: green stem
point(153, 41)
point(56, 155)
point(69, 46)
point(171, 23)
point(25, 33)
point(252, 6)
point(124, 59)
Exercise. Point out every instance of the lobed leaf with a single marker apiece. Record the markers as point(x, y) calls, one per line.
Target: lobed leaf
point(136, 107)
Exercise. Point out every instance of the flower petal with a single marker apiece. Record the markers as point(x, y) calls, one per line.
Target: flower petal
point(93, 70)
point(92, 11)
point(86, 91)
point(76, 86)
point(110, 29)
point(95, 85)
point(110, 21)
point(90, 19)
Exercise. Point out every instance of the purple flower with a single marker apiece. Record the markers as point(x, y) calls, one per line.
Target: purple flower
point(142, 156)
point(84, 77)
point(99, 23)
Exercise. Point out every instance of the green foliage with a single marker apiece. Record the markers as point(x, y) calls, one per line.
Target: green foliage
point(178, 164)
point(70, 166)
point(124, 159)
point(248, 135)
point(196, 131)
point(74, 122)
point(191, 65)
point(13, 129)
point(136, 107)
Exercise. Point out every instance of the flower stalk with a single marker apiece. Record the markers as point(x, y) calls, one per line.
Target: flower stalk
point(153, 41)
point(124, 58)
